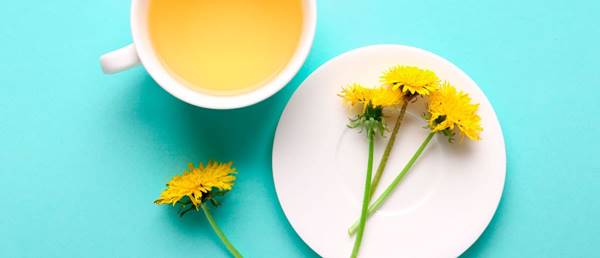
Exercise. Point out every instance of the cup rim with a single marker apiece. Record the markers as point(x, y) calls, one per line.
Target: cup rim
point(205, 100)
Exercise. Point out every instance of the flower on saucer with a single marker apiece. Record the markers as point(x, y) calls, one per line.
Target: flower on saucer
point(449, 109)
point(410, 80)
point(379, 96)
point(369, 119)
point(372, 101)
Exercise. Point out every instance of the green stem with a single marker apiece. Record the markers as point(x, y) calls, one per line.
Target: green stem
point(365, 203)
point(388, 150)
point(234, 252)
point(373, 207)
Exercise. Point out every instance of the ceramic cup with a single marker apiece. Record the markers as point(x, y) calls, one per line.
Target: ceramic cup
point(141, 52)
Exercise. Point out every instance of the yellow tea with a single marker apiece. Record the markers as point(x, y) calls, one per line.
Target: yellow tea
point(225, 47)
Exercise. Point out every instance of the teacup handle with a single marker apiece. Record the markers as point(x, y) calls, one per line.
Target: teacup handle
point(119, 60)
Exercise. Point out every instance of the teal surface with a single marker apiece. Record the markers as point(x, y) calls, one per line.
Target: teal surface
point(83, 155)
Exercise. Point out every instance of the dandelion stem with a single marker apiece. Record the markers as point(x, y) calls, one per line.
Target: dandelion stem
point(234, 252)
point(365, 203)
point(388, 150)
point(373, 207)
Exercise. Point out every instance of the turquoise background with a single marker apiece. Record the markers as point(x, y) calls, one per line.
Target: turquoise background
point(83, 155)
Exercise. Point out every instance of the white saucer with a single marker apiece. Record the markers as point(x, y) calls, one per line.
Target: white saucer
point(443, 204)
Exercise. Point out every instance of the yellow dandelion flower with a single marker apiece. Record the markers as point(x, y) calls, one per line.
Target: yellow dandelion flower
point(450, 108)
point(197, 182)
point(379, 96)
point(385, 97)
point(356, 94)
point(410, 80)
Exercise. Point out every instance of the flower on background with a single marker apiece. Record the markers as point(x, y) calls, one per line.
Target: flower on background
point(195, 187)
point(449, 109)
point(410, 80)
point(199, 184)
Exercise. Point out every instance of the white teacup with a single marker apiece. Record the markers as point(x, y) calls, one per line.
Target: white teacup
point(141, 52)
